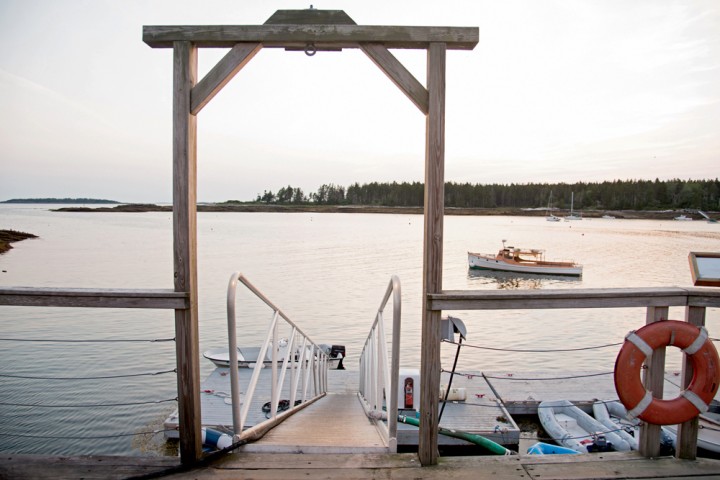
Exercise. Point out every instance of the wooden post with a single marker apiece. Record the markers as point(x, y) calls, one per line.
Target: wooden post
point(688, 431)
point(185, 250)
point(653, 379)
point(432, 253)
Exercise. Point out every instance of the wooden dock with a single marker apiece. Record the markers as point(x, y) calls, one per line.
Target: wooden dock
point(608, 466)
point(327, 422)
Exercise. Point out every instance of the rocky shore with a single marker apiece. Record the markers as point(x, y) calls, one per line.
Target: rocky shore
point(245, 207)
point(9, 236)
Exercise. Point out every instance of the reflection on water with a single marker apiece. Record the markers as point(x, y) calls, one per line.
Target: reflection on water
point(518, 281)
point(328, 272)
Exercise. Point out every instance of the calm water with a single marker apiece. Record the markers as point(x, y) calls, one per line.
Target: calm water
point(328, 272)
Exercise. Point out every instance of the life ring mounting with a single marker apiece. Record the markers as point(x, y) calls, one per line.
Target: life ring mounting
point(638, 348)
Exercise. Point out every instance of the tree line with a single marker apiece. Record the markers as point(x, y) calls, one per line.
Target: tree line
point(615, 195)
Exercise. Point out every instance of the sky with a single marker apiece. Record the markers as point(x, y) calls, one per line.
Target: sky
point(555, 91)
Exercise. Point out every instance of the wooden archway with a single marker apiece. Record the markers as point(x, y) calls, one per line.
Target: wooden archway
point(310, 30)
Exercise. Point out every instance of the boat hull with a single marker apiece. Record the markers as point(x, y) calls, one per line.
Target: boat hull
point(572, 428)
point(248, 356)
point(488, 262)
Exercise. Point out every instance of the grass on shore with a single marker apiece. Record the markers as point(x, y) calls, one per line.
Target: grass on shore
point(9, 236)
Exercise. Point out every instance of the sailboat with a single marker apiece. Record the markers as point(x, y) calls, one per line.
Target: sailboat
point(549, 216)
point(572, 215)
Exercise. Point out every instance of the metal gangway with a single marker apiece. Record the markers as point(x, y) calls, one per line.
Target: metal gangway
point(323, 413)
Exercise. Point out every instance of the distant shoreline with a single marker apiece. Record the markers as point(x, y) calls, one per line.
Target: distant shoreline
point(223, 207)
point(9, 236)
point(84, 201)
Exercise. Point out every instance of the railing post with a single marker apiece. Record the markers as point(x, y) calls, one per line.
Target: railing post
point(185, 250)
point(687, 432)
point(653, 379)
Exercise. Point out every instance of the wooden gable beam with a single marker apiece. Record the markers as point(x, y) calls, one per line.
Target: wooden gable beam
point(322, 36)
point(238, 56)
point(399, 75)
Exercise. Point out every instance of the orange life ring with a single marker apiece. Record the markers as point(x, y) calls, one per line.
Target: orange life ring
point(638, 347)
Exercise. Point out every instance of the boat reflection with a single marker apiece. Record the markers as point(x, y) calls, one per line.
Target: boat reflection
point(514, 281)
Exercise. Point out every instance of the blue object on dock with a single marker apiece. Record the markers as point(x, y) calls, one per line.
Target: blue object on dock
point(542, 448)
point(215, 439)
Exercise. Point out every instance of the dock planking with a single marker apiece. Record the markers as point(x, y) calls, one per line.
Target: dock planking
point(480, 413)
point(607, 466)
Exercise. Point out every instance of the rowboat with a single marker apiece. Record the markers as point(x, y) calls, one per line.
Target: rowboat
point(248, 356)
point(572, 428)
point(708, 433)
point(614, 416)
point(518, 260)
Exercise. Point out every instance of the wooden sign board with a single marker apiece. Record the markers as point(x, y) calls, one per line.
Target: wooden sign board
point(705, 268)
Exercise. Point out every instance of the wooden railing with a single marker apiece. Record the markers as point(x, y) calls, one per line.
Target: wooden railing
point(93, 298)
point(655, 300)
point(186, 351)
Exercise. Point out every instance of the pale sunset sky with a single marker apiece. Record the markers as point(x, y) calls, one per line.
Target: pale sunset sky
point(555, 91)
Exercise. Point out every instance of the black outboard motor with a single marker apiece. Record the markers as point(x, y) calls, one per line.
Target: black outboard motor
point(600, 443)
point(338, 351)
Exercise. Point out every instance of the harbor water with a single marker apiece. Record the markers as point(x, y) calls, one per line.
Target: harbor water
point(92, 381)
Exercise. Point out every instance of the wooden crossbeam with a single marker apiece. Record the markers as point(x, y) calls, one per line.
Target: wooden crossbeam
point(322, 36)
point(398, 74)
point(221, 74)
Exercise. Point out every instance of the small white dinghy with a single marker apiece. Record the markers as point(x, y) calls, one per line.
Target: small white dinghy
point(575, 429)
point(248, 356)
point(614, 416)
point(708, 433)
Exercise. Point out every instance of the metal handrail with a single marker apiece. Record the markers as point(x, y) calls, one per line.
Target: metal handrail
point(376, 376)
point(305, 360)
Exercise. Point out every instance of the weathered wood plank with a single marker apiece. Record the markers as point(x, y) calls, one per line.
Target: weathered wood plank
point(238, 56)
point(398, 74)
point(92, 297)
point(323, 36)
point(688, 432)
point(185, 249)
point(432, 252)
point(310, 16)
point(615, 466)
point(335, 423)
point(33, 467)
point(561, 298)
point(654, 381)
point(360, 466)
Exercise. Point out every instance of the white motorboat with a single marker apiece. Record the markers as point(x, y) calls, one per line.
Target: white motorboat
point(683, 218)
point(248, 356)
point(518, 260)
point(575, 429)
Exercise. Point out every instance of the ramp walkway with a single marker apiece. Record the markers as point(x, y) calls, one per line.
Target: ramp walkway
point(335, 423)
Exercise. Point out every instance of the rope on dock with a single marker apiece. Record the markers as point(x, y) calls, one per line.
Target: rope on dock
point(126, 340)
point(512, 377)
point(84, 405)
point(27, 377)
point(85, 437)
point(520, 350)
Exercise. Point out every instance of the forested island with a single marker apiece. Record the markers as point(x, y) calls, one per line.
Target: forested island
point(61, 200)
point(622, 199)
point(616, 195)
